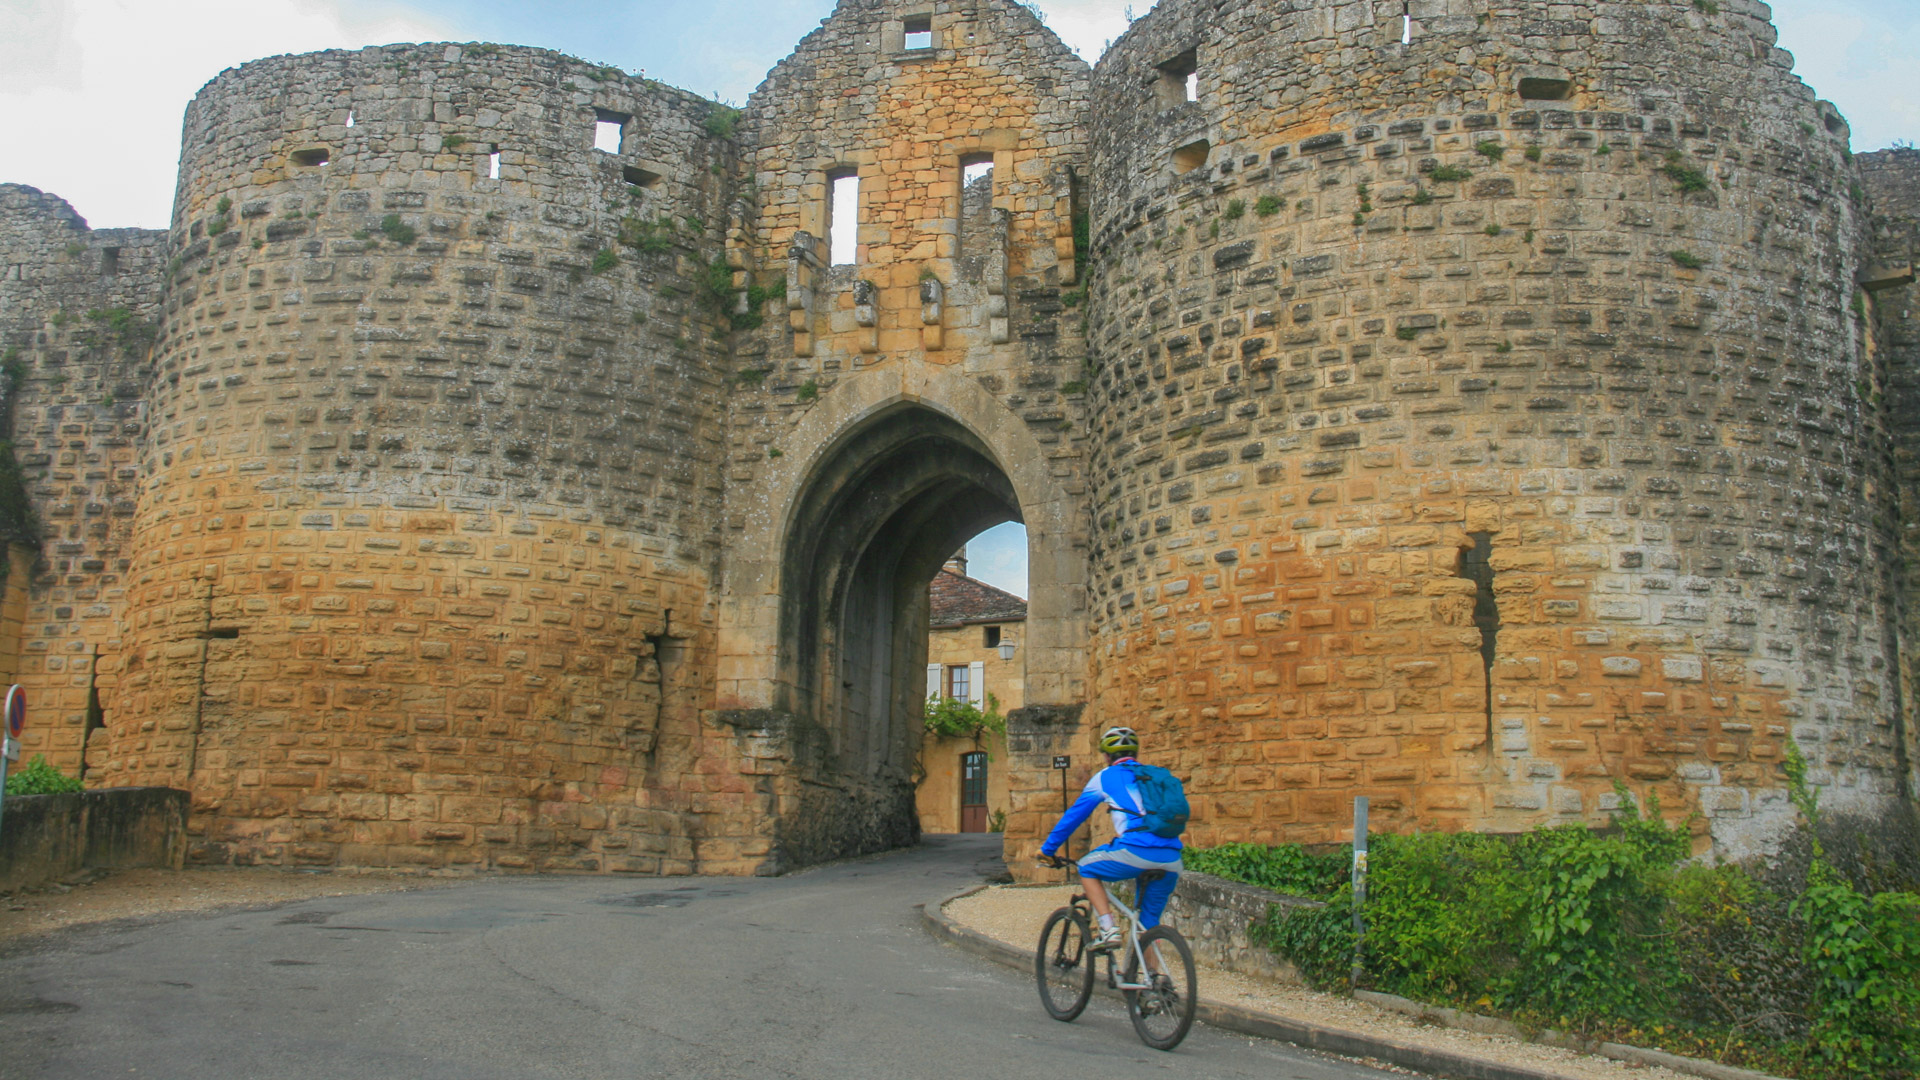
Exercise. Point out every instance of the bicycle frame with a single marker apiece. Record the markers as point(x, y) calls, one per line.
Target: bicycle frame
point(1133, 939)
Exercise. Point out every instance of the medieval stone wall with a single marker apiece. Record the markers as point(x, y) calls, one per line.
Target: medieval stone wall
point(1470, 404)
point(963, 305)
point(1479, 421)
point(1889, 297)
point(77, 311)
point(426, 529)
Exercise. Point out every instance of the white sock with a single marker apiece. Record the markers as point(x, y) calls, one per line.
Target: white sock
point(1106, 923)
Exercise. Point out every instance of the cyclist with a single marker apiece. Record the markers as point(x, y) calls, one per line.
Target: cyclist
point(1131, 852)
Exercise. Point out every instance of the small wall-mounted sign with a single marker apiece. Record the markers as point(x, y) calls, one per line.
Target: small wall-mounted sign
point(1062, 761)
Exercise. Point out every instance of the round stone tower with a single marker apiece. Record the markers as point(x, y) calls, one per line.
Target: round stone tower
point(1479, 417)
point(429, 496)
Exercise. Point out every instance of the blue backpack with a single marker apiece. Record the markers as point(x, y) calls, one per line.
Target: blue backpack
point(1163, 801)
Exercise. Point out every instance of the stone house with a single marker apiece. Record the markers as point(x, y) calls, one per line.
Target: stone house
point(973, 640)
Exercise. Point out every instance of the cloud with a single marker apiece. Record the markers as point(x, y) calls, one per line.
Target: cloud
point(99, 123)
point(1087, 26)
point(999, 557)
point(1855, 54)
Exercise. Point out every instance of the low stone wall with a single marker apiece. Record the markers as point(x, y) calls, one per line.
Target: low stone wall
point(1214, 914)
point(46, 837)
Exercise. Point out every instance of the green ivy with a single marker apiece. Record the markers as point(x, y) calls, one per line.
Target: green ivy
point(40, 778)
point(956, 719)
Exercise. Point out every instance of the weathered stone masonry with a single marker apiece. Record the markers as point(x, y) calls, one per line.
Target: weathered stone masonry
point(1472, 422)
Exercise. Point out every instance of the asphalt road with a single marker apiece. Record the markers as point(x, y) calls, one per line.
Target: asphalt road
point(825, 973)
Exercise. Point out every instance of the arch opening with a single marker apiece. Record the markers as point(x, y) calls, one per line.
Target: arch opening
point(876, 520)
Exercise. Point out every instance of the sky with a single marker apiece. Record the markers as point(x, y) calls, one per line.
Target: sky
point(92, 91)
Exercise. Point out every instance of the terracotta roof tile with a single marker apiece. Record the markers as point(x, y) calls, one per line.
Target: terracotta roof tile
point(958, 599)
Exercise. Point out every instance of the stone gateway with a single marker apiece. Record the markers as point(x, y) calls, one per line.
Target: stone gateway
point(506, 462)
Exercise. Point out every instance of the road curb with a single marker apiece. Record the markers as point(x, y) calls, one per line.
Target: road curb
point(1488, 1025)
point(1245, 1021)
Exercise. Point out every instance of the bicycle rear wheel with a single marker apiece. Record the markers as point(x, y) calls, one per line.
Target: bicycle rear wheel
point(1163, 1013)
point(1063, 966)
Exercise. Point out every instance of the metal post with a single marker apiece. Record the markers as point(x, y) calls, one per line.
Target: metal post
point(1359, 881)
point(8, 739)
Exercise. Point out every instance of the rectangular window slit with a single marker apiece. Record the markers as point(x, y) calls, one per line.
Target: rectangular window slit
point(843, 218)
point(639, 177)
point(109, 261)
point(607, 129)
point(1179, 80)
point(493, 165)
point(349, 117)
point(990, 637)
point(311, 157)
point(919, 32)
point(1406, 29)
point(1191, 156)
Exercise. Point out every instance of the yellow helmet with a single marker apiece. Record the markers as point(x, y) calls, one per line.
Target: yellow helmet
point(1119, 740)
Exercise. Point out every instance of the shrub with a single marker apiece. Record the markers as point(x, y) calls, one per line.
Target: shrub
point(604, 260)
point(1448, 173)
point(648, 237)
point(1489, 149)
point(721, 120)
point(1236, 209)
point(398, 231)
point(1687, 259)
point(40, 778)
point(1687, 178)
point(1287, 868)
point(1267, 205)
point(452, 142)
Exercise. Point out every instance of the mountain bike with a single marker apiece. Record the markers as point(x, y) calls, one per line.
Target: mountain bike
point(1157, 981)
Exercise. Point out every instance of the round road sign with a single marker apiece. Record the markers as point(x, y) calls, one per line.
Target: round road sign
point(16, 709)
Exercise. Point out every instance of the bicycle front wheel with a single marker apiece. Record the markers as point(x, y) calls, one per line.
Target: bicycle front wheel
point(1163, 1013)
point(1063, 966)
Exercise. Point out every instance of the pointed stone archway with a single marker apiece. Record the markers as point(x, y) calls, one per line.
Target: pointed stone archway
point(824, 617)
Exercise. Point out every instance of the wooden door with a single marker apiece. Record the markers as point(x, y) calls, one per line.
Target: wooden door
point(973, 792)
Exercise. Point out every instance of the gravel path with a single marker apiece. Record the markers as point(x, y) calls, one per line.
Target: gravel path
point(1014, 914)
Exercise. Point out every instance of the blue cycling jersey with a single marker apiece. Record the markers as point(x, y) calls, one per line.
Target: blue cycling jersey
point(1112, 787)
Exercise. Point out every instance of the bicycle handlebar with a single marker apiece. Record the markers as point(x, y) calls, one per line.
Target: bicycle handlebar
point(1053, 862)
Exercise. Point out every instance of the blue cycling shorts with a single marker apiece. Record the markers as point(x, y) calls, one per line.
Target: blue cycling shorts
point(1113, 861)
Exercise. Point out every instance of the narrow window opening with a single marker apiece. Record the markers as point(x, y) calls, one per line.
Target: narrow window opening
point(843, 218)
point(1546, 89)
point(1179, 80)
point(1476, 565)
point(975, 168)
point(1406, 29)
point(109, 261)
point(1191, 156)
point(919, 32)
point(639, 177)
point(990, 637)
point(311, 158)
point(493, 165)
point(349, 117)
point(607, 130)
point(96, 716)
point(223, 632)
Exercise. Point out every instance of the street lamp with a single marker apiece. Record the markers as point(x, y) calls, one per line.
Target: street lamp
point(1006, 650)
